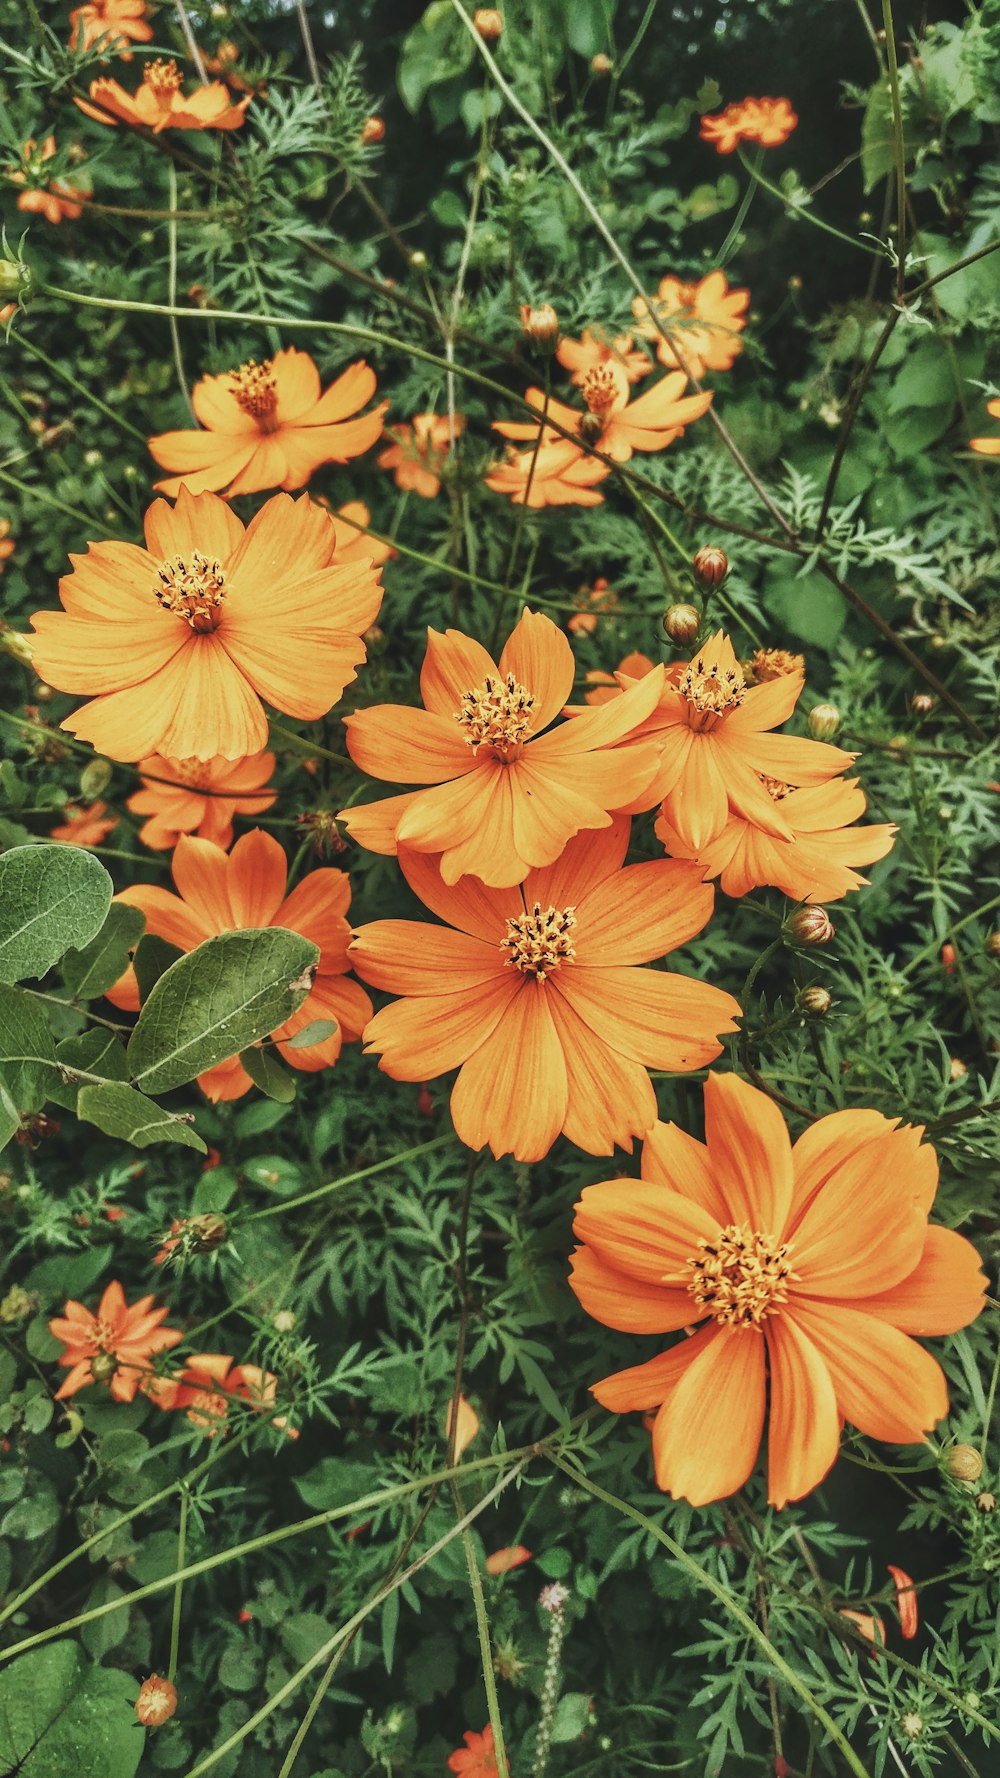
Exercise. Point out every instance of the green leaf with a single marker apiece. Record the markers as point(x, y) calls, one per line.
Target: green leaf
point(59, 1714)
point(94, 1052)
point(588, 28)
point(26, 1047)
point(96, 967)
point(926, 379)
point(120, 1111)
point(51, 897)
point(153, 957)
point(268, 1074)
point(572, 1717)
point(809, 607)
point(215, 1002)
point(316, 1032)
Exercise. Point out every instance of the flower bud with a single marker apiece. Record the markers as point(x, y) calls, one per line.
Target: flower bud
point(600, 64)
point(710, 565)
point(815, 1002)
point(823, 721)
point(489, 23)
point(682, 623)
point(993, 944)
point(208, 1231)
point(418, 260)
point(284, 1321)
point(592, 427)
point(103, 1366)
point(373, 130)
point(156, 1702)
point(810, 926)
point(17, 1305)
point(957, 1069)
point(922, 703)
point(540, 326)
point(986, 1502)
point(964, 1463)
point(912, 1725)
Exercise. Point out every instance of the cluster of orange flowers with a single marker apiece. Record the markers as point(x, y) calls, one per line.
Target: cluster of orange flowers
point(768, 122)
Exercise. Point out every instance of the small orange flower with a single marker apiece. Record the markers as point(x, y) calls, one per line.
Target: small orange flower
point(990, 447)
point(814, 865)
point(220, 893)
point(477, 1759)
point(120, 1339)
point(557, 473)
point(269, 425)
point(767, 121)
point(591, 350)
point(606, 686)
point(88, 826)
point(706, 317)
point(177, 644)
point(156, 1702)
point(160, 104)
point(594, 602)
point(419, 451)
point(810, 1265)
point(118, 22)
point(906, 1601)
point(199, 796)
point(7, 544)
point(506, 796)
point(535, 995)
point(466, 1425)
point(502, 1561)
point(55, 199)
point(612, 423)
point(210, 1381)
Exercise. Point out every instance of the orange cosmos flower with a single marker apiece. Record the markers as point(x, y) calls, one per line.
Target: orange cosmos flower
point(502, 1561)
point(54, 199)
point(7, 544)
point(419, 451)
point(220, 893)
point(990, 447)
point(477, 1759)
point(706, 316)
point(814, 865)
point(594, 602)
point(506, 796)
point(767, 121)
point(813, 1264)
point(606, 686)
point(178, 643)
point(159, 103)
point(556, 473)
point(85, 826)
point(210, 1381)
point(118, 22)
point(534, 994)
point(113, 1346)
point(269, 425)
point(199, 796)
point(612, 423)
point(591, 349)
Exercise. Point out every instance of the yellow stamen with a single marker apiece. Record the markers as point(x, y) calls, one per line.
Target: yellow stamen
point(497, 714)
point(257, 392)
point(775, 788)
point(605, 387)
point(775, 663)
point(741, 1277)
point(711, 690)
point(538, 942)
point(192, 588)
point(163, 77)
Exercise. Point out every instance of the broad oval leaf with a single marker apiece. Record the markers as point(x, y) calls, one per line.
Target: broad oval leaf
point(51, 897)
point(120, 1111)
point(60, 1715)
point(218, 1000)
point(90, 971)
point(27, 1050)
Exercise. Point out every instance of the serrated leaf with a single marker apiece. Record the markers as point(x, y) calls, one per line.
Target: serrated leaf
point(212, 1004)
point(120, 1111)
point(51, 897)
point(96, 967)
point(153, 957)
point(59, 1714)
point(268, 1074)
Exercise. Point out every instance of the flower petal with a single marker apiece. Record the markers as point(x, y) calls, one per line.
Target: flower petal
point(512, 1093)
point(651, 1016)
point(468, 904)
point(943, 1292)
point(643, 1231)
point(409, 957)
point(453, 664)
point(673, 1158)
point(610, 1098)
point(643, 912)
point(804, 1428)
point(406, 746)
point(625, 1303)
point(707, 1435)
point(540, 658)
point(645, 1386)
point(424, 1036)
point(750, 1153)
point(886, 1385)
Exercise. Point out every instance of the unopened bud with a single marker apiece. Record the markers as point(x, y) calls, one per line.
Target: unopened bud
point(682, 623)
point(540, 326)
point(489, 23)
point(592, 427)
point(373, 130)
point(418, 260)
point(912, 1725)
point(815, 1001)
point(810, 926)
point(600, 64)
point(993, 944)
point(156, 1702)
point(14, 642)
point(17, 1305)
point(710, 565)
point(922, 703)
point(208, 1231)
point(284, 1321)
point(964, 1463)
point(795, 282)
point(823, 721)
point(425, 1104)
point(103, 1366)
point(957, 1069)
point(986, 1503)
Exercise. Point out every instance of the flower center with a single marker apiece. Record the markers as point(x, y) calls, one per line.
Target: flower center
point(741, 1277)
point(256, 391)
point(208, 1410)
point(164, 78)
point(191, 587)
point(604, 387)
point(497, 714)
point(539, 942)
point(711, 689)
point(776, 789)
point(103, 1337)
point(191, 772)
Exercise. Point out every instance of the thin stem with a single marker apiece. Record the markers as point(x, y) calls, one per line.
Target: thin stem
point(192, 43)
point(899, 149)
point(81, 388)
point(307, 43)
point(335, 1185)
point(175, 337)
point(485, 1641)
point(928, 950)
point(175, 1617)
point(800, 210)
point(73, 512)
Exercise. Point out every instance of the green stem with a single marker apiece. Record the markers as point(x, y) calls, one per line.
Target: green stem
point(175, 338)
point(175, 1618)
point(899, 149)
point(928, 950)
point(334, 1185)
point(81, 389)
point(485, 1641)
point(303, 744)
point(73, 512)
point(800, 210)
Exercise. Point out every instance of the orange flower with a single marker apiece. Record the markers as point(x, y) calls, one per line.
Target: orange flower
point(220, 893)
point(557, 473)
point(178, 644)
point(634, 666)
point(814, 865)
point(707, 318)
point(906, 1601)
point(477, 1759)
point(502, 1561)
point(419, 451)
point(591, 349)
point(209, 1381)
point(199, 796)
point(990, 447)
point(593, 602)
point(269, 425)
point(159, 104)
point(506, 796)
point(612, 423)
point(767, 121)
point(85, 826)
point(119, 1339)
point(534, 994)
point(7, 544)
point(118, 22)
point(54, 199)
point(813, 1264)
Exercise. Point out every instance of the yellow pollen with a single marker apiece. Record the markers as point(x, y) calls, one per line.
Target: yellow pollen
point(711, 689)
point(603, 387)
point(256, 391)
point(192, 772)
point(539, 942)
point(102, 1337)
point(497, 714)
point(163, 77)
point(192, 588)
point(776, 790)
point(741, 1277)
point(775, 663)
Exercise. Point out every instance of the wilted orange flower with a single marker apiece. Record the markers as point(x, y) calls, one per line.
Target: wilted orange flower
point(477, 1759)
point(55, 199)
point(84, 826)
point(593, 602)
point(502, 1561)
point(591, 349)
point(118, 22)
point(418, 452)
point(119, 1340)
point(220, 893)
point(767, 121)
point(210, 1381)
point(612, 423)
point(606, 686)
point(706, 316)
point(199, 796)
point(506, 796)
point(906, 1601)
point(869, 1626)
point(178, 643)
point(159, 103)
point(810, 1266)
point(557, 473)
point(268, 425)
point(7, 544)
point(466, 1424)
point(534, 994)
point(990, 447)
point(814, 865)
